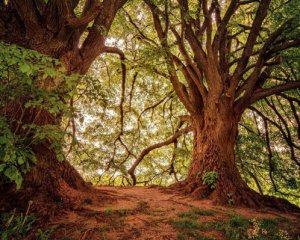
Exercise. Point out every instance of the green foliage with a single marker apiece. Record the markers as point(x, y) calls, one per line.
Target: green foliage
point(109, 212)
point(185, 224)
point(235, 228)
point(252, 150)
point(210, 179)
point(15, 226)
point(29, 74)
point(45, 235)
point(194, 213)
point(15, 155)
point(202, 212)
point(240, 228)
point(231, 200)
point(188, 228)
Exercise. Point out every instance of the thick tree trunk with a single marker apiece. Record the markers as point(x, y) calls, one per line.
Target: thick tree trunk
point(53, 28)
point(214, 142)
point(50, 183)
point(215, 133)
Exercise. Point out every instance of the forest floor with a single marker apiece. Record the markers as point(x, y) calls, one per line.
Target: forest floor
point(158, 213)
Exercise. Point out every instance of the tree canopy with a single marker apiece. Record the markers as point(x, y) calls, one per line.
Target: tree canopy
point(154, 92)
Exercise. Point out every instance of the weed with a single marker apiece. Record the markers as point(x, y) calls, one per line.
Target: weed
point(123, 212)
point(45, 235)
point(13, 226)
point(235, 228)
point(195, 212)
point(238, 228)
point(182, 236)
point(270, 224)
point(108, 212)
point(185, 224)
point(188, 228)
point(231, 200)
point(187, 215)
point(202, 212)
point(210, 179)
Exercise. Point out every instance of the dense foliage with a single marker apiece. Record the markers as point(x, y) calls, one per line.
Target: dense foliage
point(268, 142)
point(22, 75)
point(110, 123)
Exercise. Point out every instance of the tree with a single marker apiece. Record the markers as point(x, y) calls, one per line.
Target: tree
point(54, 28)
point(221, 58)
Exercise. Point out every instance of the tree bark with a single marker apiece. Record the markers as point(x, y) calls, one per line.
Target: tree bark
point(50, 182)
point(215, 133)
point(52, 28)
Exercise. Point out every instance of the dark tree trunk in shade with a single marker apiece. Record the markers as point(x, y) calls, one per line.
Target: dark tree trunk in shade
point(53, 29)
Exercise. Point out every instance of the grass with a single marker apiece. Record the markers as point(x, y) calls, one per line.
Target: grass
point(189, 228)
point(181, 236)
point(203, 212)
point(235, 228)
point(239, 228)
point(185, 224)
point(194, 213)
point(108, 212)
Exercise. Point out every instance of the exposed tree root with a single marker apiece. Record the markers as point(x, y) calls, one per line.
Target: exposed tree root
point(243, 196)
point(50, 185)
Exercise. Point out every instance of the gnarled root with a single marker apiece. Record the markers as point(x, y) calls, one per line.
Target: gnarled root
point(242, 196)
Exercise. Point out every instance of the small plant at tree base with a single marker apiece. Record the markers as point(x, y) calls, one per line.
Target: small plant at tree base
point(210, 179)
point(231, 200)
point(45, 235)
point(13, 226)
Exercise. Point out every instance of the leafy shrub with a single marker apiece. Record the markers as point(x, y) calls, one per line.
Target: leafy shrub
point(238, 228)
point(15, 226)
point(15, 155)
point(210, 179)
point(235, 228)
point(231, 200)
point(26, 71)
point(45, 235)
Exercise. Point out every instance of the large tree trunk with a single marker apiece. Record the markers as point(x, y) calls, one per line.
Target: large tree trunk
point(50, 184)
point(214, 142)
point(215, 133)
point(53, 28)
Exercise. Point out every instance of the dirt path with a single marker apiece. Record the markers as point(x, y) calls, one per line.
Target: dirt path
point(149, 213)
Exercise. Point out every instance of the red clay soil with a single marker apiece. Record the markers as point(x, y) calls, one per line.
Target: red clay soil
point(142, 213)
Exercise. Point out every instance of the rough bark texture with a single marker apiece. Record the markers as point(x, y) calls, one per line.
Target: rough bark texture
point(221, 82)
point(53, 29)
point(214, 142)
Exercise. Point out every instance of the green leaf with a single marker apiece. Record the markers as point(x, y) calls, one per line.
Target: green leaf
point(25, 68)
point(2, 166)
point(3, 139)
point(20, 160)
